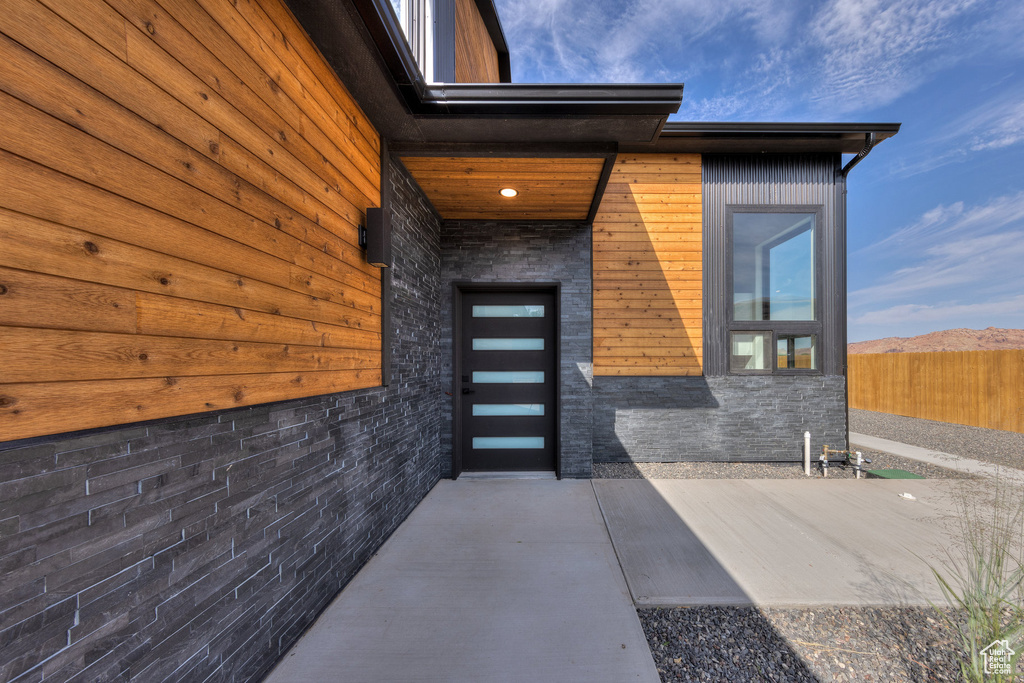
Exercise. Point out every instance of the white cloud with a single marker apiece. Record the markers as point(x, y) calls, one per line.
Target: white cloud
point(966, 257)
point(985, 264)
point(943, 313)
point(994, 124)
point(609, 41)
point(999, 124)
point(954, 222)
point(874, 51)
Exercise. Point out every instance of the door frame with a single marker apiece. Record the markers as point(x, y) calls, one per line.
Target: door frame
point(459, 287)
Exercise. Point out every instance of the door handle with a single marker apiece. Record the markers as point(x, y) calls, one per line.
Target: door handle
point(467, 391)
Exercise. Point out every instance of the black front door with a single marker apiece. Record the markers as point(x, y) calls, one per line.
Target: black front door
point(508, 381)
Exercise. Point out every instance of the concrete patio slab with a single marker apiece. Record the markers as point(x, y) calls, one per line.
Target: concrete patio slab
point(485, 581)
point(779, 542)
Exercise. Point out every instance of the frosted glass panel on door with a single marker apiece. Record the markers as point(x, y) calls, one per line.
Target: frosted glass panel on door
point(508, 442)
point(495, 344)
point(487, 409)
point(509, 377)
point(528, 311)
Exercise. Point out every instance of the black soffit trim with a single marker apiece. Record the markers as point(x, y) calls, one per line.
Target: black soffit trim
point(602, 185)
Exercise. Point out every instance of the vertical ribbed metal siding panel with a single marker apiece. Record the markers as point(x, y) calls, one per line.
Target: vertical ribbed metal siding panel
point(444, 41)
point(771, 180)
point(714, 172)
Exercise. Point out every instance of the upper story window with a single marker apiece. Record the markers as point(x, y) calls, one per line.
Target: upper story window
point(774, 322)
point(417, 20)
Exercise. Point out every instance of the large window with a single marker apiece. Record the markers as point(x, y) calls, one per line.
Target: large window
point(774, 323)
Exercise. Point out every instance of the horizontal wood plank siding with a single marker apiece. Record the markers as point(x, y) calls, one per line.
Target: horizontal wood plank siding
point(647, 268)
point(476, 60)
point(183, 184)
point(978, 388)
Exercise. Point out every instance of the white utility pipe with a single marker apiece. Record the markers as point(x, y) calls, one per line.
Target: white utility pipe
point(807, 453)
point(860, 460)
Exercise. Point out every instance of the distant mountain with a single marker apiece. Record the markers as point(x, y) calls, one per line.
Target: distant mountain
point(961, 339)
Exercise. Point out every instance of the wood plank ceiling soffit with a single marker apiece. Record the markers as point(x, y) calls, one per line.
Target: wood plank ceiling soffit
point(468, 188)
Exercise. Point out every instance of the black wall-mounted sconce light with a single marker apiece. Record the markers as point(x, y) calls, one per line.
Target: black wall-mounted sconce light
point(375, 238)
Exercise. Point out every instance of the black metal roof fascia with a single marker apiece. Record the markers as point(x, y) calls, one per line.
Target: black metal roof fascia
point(382, 23)
point(551, 99)
point(489, 13)
point(768, 129)
point(741, 137)
point(504, 99)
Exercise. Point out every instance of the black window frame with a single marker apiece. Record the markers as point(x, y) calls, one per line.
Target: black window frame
point(776, 327)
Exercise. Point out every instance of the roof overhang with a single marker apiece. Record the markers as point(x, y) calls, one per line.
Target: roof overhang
point(364, 44)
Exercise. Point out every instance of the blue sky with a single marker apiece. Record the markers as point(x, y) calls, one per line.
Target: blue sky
point(936, 214)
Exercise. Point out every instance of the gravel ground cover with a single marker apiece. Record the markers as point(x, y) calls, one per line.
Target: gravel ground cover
point(739, 644)
point(989, 445)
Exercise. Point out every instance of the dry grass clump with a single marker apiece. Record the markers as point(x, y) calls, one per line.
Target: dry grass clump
point(982, 578)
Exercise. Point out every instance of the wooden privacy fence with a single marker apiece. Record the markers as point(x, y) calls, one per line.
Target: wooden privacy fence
point(978, 388)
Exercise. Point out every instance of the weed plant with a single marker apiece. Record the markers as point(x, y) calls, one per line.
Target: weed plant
point(982, 577)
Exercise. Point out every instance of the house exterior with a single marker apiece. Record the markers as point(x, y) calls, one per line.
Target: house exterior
point(216, 403)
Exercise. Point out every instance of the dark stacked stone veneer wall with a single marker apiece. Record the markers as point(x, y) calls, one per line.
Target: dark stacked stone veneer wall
point(728, 418)
point(199, 549)
point(506, 252)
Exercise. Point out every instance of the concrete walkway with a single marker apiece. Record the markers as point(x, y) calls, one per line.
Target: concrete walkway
point(518, 580)
point(939, 458)
point(485, 581)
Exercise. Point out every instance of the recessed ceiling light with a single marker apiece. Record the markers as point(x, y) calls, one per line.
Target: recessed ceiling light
point(509, 192)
